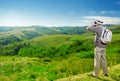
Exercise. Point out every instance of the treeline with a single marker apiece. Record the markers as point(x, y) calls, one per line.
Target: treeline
point(55, 45)
point(9, 39)
point(62, 50)
point(81, 46)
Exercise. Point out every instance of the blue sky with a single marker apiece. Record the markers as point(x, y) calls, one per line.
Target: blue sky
point(58, 12)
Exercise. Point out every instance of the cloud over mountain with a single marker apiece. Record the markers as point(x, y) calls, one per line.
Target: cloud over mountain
point(105, 19)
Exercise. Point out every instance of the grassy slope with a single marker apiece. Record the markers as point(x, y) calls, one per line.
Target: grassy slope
point(33, 69)
point(22, 66)
point(114, 75)
point(21, 69)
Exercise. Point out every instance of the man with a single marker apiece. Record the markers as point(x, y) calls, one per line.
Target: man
point(100, 49)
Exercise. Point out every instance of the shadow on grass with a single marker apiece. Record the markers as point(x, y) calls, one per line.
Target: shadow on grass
point(102, 79)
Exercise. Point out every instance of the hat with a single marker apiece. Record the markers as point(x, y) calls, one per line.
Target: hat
point(99, 22)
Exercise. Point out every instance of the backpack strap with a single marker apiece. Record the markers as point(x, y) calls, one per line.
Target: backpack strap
point(103, 28)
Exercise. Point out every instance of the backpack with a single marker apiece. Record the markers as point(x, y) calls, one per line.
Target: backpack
point(106, 35)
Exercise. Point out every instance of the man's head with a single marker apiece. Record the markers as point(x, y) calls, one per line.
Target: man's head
point(98, 22)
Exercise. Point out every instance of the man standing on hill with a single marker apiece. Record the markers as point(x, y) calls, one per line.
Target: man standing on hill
point(100, 49)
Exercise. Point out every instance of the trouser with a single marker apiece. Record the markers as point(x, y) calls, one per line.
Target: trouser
point(100, 58)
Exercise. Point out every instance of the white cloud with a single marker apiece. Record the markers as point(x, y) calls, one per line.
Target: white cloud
point(105, 19)
point(107, 12)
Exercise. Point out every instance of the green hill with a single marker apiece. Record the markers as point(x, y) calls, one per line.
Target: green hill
point(54, 56)
point(17, 34)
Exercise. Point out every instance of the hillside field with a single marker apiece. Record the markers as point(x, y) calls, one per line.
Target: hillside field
point(61, 57)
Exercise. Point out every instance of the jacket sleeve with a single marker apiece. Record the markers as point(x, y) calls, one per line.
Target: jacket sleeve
point(93, 29)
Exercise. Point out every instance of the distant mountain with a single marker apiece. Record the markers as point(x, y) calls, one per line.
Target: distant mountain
point(17, 34)
point(109, 25)
point(5, 29)
point(34, 31)
point(20, 33)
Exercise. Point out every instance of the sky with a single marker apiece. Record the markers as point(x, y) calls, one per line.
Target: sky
point(58, 12)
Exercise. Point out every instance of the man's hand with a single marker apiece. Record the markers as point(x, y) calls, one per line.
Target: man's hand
point(91, 25)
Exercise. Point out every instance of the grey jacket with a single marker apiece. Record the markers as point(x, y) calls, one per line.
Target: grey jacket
point(98, 31)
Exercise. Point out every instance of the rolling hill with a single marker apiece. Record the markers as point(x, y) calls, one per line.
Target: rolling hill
point(18, 34)
point(60, 56)
point(12, 34)
point(43, 36)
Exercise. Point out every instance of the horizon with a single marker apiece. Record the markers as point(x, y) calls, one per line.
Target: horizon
point(56, 13)
point(54, 26)
point(42, 26)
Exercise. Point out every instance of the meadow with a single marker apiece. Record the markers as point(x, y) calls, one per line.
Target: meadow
point(49, 58)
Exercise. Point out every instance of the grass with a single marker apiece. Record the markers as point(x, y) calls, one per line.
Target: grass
point(114, 75)
point(16, 68)
point(75, 66)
